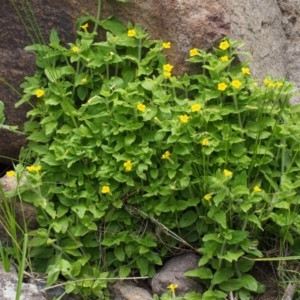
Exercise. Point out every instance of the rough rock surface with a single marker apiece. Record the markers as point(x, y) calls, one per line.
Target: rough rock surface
point(127, 290)
point(8, 287)
point(269, 28)
point(173, 272)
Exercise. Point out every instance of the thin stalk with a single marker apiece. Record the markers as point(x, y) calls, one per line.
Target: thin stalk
point(239, 115)
point(11, 87)
point(283, 150)
point(98, 16)
point(140, 51)
point(22, 266)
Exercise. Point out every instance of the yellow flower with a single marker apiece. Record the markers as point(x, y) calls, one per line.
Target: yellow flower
point(33, 168)
point(266, 81)
point(236, 84)
point(184, 118)
point(279, 84)
point(224, 45)
point(75, 49)
point(84, 26)
point(257, 189)
point(227, 173)
point(224, 58)
point(10, 173)
point(39, 93)
point(246, 71)
point(131, 33)
point(205, 142)
point(166, 45)
point(255, 84)
point(167, 67)
point(105, 189)
point(84, 80)
point(141, 107)
point(167, 74)
point(166, 155)
point(222, 86)
point(173, 287)
point(207, 197)
point(128, 165)
point(195, 107)
point(194, 52)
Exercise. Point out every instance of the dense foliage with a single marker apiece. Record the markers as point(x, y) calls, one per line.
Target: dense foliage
point(131, 164)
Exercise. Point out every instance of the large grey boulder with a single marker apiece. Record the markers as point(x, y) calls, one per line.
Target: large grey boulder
point(8, 287)
point(173, 273)
point(269, 28)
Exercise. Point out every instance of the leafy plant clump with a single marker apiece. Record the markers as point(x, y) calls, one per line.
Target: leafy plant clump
point(131, 163)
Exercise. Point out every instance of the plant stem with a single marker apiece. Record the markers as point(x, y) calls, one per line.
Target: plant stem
point(239, 115)
point(98, 16)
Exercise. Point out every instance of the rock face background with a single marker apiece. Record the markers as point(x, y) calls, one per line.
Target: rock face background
point(269, 28)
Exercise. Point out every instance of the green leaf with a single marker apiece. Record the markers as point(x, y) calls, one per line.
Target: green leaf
point(188, 219)
point(54, 38)
point(129, 139)
point(231, 285)
point(115, 26)
point(79, 209)
point(181, 149)
point(119, 253)
point(213, 295)
point(202, 273)
point(230, 256)
point(143, 265)
point(249, 283)
point(124, 271)
point(53, 272)
point(218, 215)
point(222, 275)
point(254, 219)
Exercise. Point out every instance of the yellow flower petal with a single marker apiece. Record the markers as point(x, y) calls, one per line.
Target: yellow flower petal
point(128, 165)
point(227, 173)
point(166, 155)
point(195, 107)
point(207, 197)
point(205, 142)
point(131, 33)
point(224, 58)
point(236, 84)
point(184, 118)
point(105, 189)
point(224, 45)
point(168, 67)
point(222, 86)
point(75, 49)
point(39, 93)
point(166, 45)
point(194, 52)
point(246, 71)
point(141, 107)
point(84, 26)
point(257, 189)
point(10, 173)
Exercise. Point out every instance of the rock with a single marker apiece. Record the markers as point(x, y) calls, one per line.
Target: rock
point(127, 290)
point(173, 272)
point(269, 28)
point(8, 287)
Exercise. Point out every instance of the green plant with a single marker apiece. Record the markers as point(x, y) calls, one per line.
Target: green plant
point(123, 146)
point(15, 250)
